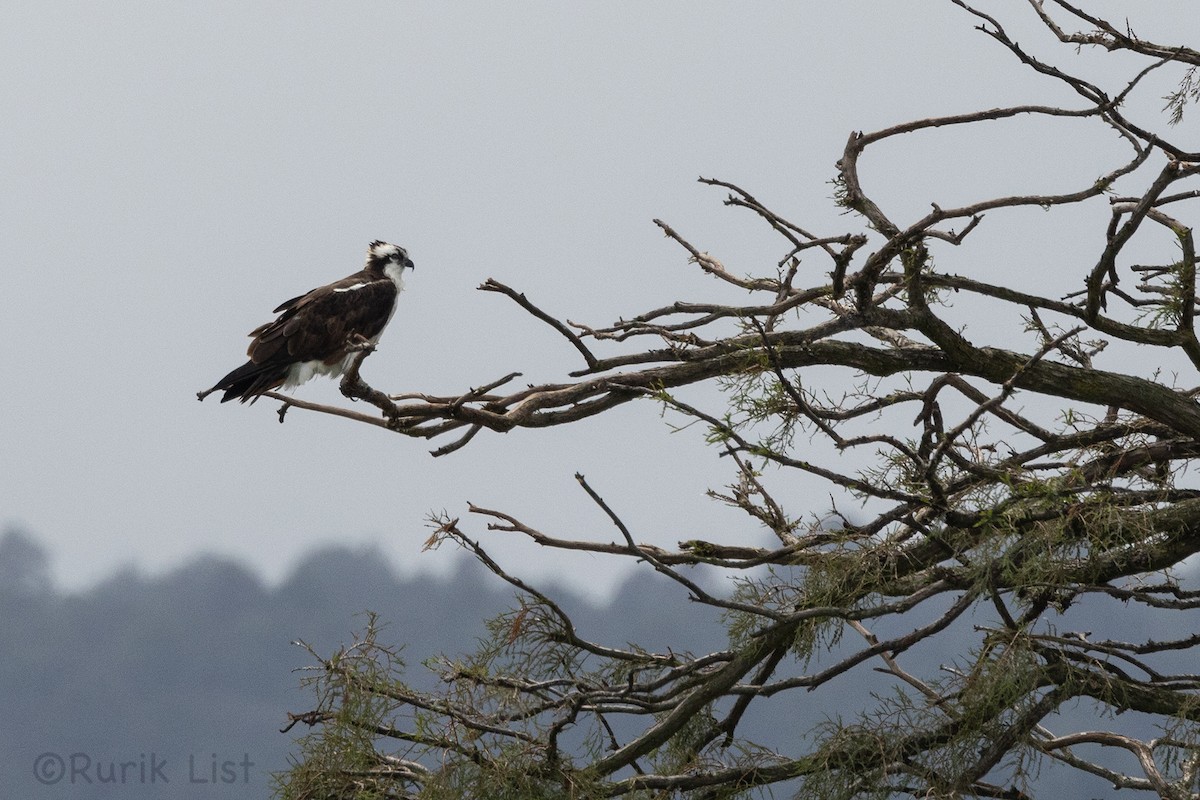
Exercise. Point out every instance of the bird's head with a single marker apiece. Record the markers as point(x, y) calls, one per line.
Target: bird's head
point(388, 259)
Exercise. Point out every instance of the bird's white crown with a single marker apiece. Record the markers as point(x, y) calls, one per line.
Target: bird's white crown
point(386, 251)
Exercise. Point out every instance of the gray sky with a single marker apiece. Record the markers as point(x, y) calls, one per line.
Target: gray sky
point(169, 173)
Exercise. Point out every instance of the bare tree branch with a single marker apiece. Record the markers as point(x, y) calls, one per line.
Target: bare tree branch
point(975, 489)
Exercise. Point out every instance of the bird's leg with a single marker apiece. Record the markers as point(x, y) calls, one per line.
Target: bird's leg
point(356, 342)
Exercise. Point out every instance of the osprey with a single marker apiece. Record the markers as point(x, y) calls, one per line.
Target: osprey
point(318, 333)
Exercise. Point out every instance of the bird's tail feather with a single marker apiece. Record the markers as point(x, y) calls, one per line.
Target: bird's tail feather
point(249, 381)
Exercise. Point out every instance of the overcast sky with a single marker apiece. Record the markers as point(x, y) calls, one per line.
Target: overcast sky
point(169, 173)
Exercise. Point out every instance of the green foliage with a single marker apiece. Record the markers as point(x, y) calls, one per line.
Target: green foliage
point(1188, 92)
point(340, 758)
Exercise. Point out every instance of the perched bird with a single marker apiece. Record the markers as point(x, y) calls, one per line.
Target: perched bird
point(319, 333)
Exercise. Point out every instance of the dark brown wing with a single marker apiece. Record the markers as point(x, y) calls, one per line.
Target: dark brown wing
point(317, 325)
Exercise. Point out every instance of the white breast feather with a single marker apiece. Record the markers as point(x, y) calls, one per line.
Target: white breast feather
point(305, 371)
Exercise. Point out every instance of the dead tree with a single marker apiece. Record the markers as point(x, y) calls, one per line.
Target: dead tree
point(1005, 482)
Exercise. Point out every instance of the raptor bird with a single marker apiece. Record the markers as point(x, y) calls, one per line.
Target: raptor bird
point(318, 333)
